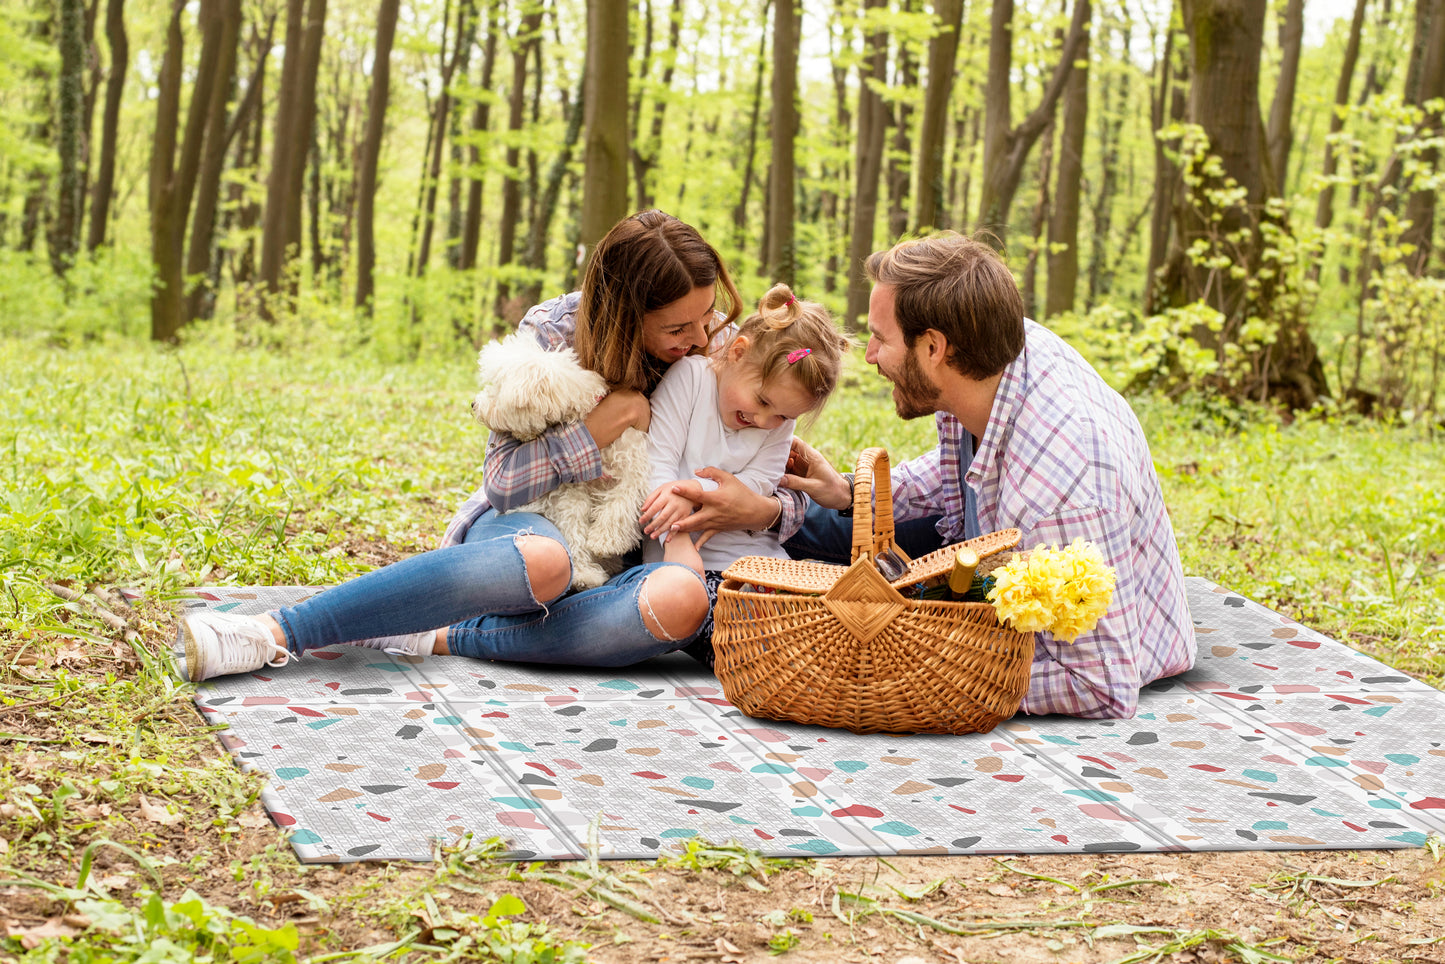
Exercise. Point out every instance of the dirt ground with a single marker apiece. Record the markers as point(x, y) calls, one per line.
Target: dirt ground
point(1350, 906)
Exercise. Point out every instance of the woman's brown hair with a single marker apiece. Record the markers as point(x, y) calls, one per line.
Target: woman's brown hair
point(646, 262)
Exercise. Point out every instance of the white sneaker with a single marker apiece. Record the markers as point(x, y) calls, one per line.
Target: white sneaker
point(412, 644)
point(219, 644)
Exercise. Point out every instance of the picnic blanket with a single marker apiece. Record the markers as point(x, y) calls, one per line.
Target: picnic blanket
point(1279, 738)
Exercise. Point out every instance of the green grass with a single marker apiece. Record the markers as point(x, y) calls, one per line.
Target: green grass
point(126, 465)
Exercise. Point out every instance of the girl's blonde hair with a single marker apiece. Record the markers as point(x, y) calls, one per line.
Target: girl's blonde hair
point(787, 334)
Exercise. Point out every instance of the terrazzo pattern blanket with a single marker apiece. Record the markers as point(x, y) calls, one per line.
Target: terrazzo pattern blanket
point(1279, 738)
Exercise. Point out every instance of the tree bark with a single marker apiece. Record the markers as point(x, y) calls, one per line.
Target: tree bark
point(529, 33)
point(481, 123)
point(456, 174)
point(536, 258)
point(70, 139)
point(1005, 146)
point(104, 185)
point(899, 169)
point(740, 211)
point(1280, 133)
point(604, 179)
point(1429, 89)
point(1324, 208)
point(426, 210)
point(1063, 243)
point(942, 55)
point(1170, 97)
point(868, 163)
point(371, 155)
point(779, 263)
point(213, 158)
point(165, 298)
point(283, 146)
point(1028, 285)
point(1101, 275)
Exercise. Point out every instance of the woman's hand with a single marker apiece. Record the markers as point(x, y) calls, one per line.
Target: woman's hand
point(810, 473)
point(620, 410)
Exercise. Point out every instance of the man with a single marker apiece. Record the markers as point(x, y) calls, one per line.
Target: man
point(1029, 437)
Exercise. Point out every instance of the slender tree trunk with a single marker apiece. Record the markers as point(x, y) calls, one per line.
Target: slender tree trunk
point(835, 177)
point(1063, 243)
point(1029, 284)
point(1005, 146)
point(456, 174)
point(779, 263)
point(604, 181)
point(1101, 276)
point(305, 122)
point(436, 145)
point(529, 34)
point(165, 299)
point(1429, 90)
point(213, 159)
point(740, 212)
point(371, 155)
point(942, 55)
point(899, 157)
point(481, 123)
point(536, 258)
point(104, 185)
point(1169, 98)
point(70, 140)
point(868, 164)
point(1324, 208)
point(283, 146)
point(1280, 133)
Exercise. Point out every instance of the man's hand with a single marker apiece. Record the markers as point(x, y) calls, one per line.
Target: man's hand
point(731, 506)
point(810, 473)
point(668, 505)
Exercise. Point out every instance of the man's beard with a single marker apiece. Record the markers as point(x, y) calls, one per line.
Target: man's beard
point(914, 395)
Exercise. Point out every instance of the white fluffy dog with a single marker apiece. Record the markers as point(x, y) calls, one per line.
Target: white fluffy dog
point(525, 389)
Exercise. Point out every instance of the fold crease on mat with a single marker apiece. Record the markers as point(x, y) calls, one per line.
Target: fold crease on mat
point(1279, 738)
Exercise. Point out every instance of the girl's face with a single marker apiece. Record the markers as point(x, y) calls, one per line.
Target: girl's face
point(675, 329)
point(743, 401)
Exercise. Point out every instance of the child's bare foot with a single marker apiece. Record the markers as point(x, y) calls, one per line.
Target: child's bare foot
point(679, 548)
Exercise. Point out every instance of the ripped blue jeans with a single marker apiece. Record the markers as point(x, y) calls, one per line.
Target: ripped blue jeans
point(479, 589)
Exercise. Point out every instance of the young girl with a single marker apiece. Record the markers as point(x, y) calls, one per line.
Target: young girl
point(735, 411)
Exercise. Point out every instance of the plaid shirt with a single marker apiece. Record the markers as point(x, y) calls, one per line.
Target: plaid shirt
point(515, 472)
point(1064, 457)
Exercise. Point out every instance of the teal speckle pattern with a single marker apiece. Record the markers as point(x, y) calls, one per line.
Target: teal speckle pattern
point(1278, 739)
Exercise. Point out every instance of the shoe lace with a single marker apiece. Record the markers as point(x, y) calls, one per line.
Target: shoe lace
point(239, 646)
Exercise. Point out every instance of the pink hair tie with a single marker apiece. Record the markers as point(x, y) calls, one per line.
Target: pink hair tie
point(798, 354)
point(791, 301)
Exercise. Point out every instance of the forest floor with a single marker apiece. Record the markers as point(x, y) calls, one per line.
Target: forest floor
point(126, 834)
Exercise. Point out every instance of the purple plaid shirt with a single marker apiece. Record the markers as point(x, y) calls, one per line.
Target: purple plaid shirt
point(515, 472)
point(1064, 457)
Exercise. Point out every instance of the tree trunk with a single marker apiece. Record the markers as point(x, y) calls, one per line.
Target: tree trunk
point(1280, 134)
point(1429, 88)
point(1226, 38)
point(604, 179)
point(1006, 147)
point(283, 146)
point(456, 173)
point(305, 120)
point(481, 123)
point(213, 159)
point(1028, 286)
point(1169, 96)
point(104, 186)
point(426, 212)
point(942, 55)
point(529, 34)
point(1111, 121)
point(779, 264)
point(165, 298)
point(1324, 208)
point(740, 211)
point(371, 155)
point(868, 163)
point(1063, 244)
point(70, 140)
point(646, 151)
point(551, 191)
point(898, 167)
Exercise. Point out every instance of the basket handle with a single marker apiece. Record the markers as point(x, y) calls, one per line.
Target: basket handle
point(873, 506)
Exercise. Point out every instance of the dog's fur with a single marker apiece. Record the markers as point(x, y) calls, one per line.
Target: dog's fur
point(526, 389)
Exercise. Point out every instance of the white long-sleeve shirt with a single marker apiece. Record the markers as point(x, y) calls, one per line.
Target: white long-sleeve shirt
point(687, 434)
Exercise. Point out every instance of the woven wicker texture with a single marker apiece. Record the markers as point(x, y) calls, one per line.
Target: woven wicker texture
point(840, 646)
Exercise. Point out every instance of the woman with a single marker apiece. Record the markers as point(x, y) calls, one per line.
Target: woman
point(499, 582)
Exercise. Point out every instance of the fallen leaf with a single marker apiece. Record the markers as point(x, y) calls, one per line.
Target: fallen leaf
point(116, 881)
point(1001, 890)
point(253, 820)
point(32, 937)
point(157, 814)
point(101, 738)
point(4, 845)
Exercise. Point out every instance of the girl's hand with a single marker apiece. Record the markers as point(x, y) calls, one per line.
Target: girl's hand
point(810, 473)
point(731, 506)
point(616, 413)
point(668, 505)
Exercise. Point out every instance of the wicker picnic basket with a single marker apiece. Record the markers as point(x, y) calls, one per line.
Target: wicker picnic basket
point(841, 646)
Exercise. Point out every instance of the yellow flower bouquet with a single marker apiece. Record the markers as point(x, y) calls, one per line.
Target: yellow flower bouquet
point(1059, 591)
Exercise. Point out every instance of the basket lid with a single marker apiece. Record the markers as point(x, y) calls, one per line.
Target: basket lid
point(816, 578)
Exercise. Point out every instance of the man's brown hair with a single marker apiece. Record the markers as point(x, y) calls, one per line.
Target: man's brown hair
point(646, 262)
point(961, 288)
